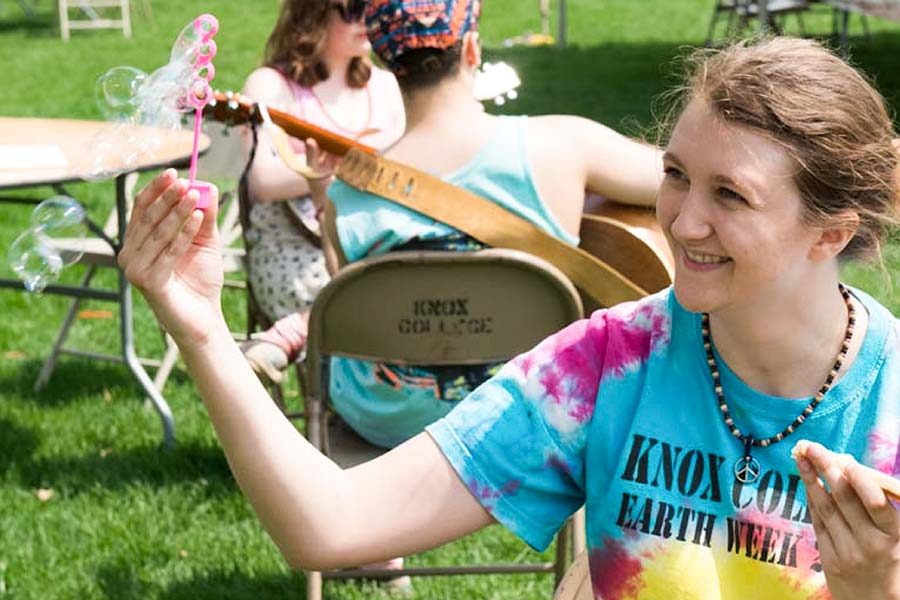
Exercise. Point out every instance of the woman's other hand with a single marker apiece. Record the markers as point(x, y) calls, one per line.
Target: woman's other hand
point(323, 165)
point(857, 527)
point(171, 254)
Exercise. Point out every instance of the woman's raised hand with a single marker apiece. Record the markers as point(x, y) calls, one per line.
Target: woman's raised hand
point(171, 254)
point(857, 527)
point(323, 164)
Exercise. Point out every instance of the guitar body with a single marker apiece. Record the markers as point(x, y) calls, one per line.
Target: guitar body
point(629, 239)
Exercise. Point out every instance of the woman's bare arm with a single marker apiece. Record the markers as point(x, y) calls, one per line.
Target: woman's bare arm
point(571, 157)
point(319, 515)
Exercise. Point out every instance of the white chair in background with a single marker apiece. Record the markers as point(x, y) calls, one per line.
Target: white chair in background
point(94, 14)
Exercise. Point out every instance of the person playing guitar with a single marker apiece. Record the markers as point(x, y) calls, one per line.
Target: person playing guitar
point(536, 167)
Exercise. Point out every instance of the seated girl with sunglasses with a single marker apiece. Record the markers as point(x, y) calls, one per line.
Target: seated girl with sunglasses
point(317, 69)
point(673, 418)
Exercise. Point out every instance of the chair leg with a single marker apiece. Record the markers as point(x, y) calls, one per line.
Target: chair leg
point(277, 394)
point(50, 364)
point(710, 33)
point(544, 9)
point(314, 422)
point(562, 554)
point(168, 361)
point(579, 532)
point(64, 20)
point(125, 9)
point(313, 585)
point(147, 10)
point(730, 26)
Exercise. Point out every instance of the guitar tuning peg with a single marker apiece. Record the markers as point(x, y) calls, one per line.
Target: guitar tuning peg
point(499, 100)
point(233, 104)
point(512, 94)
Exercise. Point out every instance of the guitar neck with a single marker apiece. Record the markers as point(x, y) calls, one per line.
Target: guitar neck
point(327, 140)
point(236, 109)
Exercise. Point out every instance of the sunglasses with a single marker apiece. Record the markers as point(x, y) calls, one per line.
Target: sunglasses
point(350, 11)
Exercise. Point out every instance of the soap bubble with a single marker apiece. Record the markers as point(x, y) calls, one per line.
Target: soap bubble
point(112, 151)
point(162, 96)
point(116, 92)
point(60, 217)
point(194, 33)
point(37, 255)
point(34, 261)
point(152, 103)
point(141, 107)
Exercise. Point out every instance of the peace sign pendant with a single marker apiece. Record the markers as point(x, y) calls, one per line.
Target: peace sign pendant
point(746, 469)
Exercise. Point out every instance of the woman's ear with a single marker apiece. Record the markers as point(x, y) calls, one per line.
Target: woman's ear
point(471, 50)
point(835, 236)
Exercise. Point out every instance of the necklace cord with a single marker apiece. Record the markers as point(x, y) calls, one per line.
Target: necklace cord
point(748, 440)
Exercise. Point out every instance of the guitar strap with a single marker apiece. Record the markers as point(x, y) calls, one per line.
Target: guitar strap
point(485, 221)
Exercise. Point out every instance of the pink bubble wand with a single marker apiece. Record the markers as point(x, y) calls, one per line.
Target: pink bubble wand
point(199, 95)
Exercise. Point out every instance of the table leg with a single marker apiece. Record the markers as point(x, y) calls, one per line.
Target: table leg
point(127, 333)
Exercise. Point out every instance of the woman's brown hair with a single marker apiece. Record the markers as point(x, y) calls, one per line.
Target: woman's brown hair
point(298, 40)
point(826, 115)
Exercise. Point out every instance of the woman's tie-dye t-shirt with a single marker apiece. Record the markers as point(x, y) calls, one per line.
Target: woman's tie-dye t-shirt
point(618, 412)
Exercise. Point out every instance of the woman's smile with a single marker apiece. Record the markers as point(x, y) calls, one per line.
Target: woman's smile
point(700, 261)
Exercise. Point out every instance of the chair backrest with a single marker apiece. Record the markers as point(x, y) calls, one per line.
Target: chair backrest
point(94, 14)
point(438, 308)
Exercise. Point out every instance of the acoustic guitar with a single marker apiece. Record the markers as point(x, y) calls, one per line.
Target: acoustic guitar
point(624, 236)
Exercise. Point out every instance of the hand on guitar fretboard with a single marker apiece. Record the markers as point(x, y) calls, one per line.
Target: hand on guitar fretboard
point(236, 109)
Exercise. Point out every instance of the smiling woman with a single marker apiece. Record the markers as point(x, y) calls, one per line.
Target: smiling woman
point(770, 182)
point(666, 417)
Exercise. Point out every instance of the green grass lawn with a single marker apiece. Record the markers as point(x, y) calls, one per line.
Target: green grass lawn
point(127, 520)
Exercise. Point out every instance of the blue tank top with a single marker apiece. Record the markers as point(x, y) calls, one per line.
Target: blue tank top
point(388, 404)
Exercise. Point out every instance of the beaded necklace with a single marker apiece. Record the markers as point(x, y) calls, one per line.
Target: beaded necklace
point(746, 468)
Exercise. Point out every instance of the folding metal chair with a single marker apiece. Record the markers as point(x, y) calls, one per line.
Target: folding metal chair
point(513, 300)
